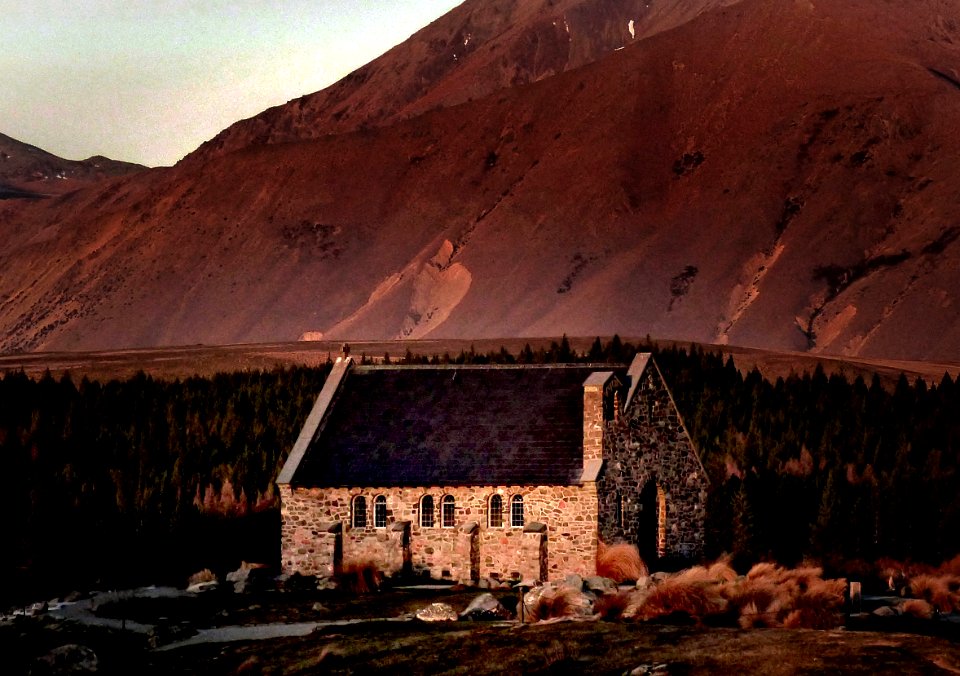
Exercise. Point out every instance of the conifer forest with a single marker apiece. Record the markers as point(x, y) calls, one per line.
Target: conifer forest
point(147, 480)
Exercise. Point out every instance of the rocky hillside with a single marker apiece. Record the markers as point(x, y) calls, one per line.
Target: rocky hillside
point(779, 174)
point(479, 47)
point(27, 170)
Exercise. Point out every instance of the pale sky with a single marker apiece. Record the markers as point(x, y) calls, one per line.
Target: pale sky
point(149, 80)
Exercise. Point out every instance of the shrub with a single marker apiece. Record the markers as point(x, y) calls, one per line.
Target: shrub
point(620, 562)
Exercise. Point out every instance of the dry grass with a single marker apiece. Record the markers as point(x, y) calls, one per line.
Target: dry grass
point(677, 595)
point(768, 596)
point(753, 616)
point(205, 575)
point(620, 562)
point(612, 607)
point(951, 567)
point(940, 591)
point(555, 603)
point(918, 608)
point(360, 577)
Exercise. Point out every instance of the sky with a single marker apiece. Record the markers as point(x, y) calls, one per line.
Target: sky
point(149, 80)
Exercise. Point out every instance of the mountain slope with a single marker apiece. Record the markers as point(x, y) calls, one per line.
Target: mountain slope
point(477, 48)
point(26, 169)
point(773, 174)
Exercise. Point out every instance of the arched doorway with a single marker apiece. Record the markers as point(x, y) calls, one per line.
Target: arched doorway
point(651, 523)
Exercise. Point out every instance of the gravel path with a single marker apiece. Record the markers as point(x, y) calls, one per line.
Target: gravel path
point(260, 632)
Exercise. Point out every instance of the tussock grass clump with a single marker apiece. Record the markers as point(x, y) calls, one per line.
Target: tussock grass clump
point(360, 577)
point(940, 591)
point(753, 616)
point(768, 596)
point(612, 607)
point(918, 608)
point(620, 562)
point(554, 603)
point(205, 575)
point(679, 596)
point(951, 567)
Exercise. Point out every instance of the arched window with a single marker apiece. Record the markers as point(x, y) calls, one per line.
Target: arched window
point(449, 512)
point(380, 512)
point(426, 511)
point(516, 511)
point(496, 511)
point(359, 512)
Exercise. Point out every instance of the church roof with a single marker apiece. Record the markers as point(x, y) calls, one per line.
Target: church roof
point(445, 425)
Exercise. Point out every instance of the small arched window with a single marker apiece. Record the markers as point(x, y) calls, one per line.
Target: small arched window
point(496, 511)
point(426, 511)
point(516, 511)
point(448, 515)
point(380, 512)
point(359, 512)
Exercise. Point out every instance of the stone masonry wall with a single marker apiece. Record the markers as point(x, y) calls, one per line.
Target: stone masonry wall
point(569, 513)
point(649, 443)
point(592, 422)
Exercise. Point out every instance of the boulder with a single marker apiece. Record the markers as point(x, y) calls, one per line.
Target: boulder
point(486, 607)
point(67, 659)
point(573, 581)
point(249, 577)
point(600, 585)
point(437, 612)
point(200, 587)
point(885, 611)
point(326, 584)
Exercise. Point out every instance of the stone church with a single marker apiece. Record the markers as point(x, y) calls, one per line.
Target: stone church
point(507, 472)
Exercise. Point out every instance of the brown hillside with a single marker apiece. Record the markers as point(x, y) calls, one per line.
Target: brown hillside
point(27, 169)
point(477, 48)
point(773, 174)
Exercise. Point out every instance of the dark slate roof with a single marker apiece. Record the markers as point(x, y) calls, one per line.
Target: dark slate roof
point(419, 426)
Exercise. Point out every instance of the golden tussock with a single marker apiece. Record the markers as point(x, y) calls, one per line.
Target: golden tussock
point(918, 608)
point(555, 603)
point(205, 575)
point(620, 562)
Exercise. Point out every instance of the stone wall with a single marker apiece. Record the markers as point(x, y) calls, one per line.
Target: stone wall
point(647, 445)
point(569, 542)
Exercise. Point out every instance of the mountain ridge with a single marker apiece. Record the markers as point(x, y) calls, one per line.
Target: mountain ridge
point(773, 175)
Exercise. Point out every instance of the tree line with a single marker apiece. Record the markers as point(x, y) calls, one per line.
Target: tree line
point(144, 478)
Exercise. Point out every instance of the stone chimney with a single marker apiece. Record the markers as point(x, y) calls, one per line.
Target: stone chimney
point(593, 388)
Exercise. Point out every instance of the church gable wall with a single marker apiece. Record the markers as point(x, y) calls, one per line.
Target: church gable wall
point(648, 443)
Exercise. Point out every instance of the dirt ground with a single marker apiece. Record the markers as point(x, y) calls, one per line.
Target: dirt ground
point(570, 647)
point(413, 647)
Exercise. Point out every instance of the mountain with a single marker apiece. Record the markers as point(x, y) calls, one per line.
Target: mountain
point(477, 48)
point(26, 170)
point(783, 175)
